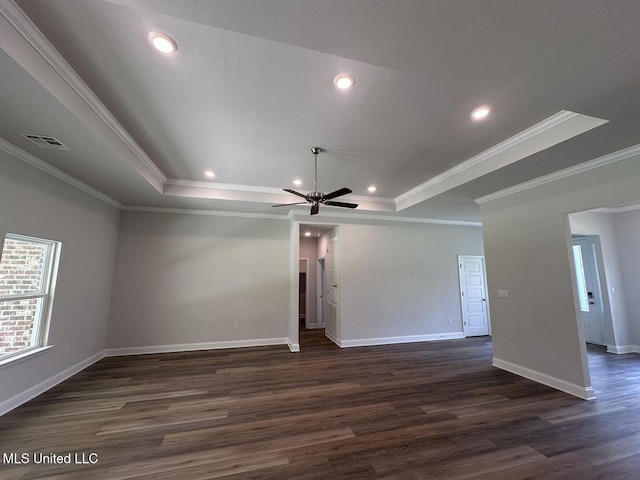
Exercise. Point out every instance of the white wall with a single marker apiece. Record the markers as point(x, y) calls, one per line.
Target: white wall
point(399, 281)
point(616, 323)
point(627, 227)
point(183, 281)
point(527, 251)
point(35, 204)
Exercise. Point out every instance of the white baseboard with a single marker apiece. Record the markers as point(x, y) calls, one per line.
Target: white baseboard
point(38, 389)
point(332, 337)
point(189, 347)
point(586, 393)
point(294, 347)
point(366, 342)
point(622, 349)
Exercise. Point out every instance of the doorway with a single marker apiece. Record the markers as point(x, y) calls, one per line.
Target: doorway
point(585, 259)
point(303, 289)
point(315, 241)
point(473, 296)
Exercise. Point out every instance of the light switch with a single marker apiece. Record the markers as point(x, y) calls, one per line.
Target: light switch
point(503, 293)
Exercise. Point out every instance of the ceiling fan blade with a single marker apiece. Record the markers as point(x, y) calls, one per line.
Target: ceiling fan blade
point(337, 193)
point(341, 204)
point(315, 208)
point(295, 193)
point(285, 204)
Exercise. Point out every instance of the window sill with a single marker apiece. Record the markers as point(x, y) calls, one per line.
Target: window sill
point(28, 353)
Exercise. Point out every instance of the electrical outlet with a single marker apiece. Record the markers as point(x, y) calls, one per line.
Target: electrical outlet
point(448, 319)
point(236, 326)
point(66, 349)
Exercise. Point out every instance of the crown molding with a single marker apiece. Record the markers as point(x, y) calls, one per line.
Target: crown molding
point(34, 161)
point(565, 173)
point(221, 186)
point(210, 213)
point(620, 209)
point(212, 185)
point(353, 215)
point(293, 214)
point(27, 30)
point(551, 131)
point(248, 193)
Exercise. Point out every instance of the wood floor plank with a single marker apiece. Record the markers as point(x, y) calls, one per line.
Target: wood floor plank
point(409, 411)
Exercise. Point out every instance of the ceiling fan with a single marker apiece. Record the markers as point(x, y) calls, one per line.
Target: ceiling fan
point(315, 198)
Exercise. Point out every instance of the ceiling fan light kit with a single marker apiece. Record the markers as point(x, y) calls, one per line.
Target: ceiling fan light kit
point(316, 198)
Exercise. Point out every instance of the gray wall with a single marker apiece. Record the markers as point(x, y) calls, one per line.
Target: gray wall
point(35, 204)
point(401, 279)
point(527, 250)
point(628, 233)
point(187, 279)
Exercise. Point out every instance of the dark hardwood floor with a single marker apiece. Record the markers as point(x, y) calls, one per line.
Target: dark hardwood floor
point(435, 410)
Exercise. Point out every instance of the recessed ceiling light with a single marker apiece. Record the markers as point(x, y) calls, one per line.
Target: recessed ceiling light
point(297, 182)
point(480, 113)
point(162, 42)
point(307, 234)
point(209, 173)
point(371, 188)
point(344, 81)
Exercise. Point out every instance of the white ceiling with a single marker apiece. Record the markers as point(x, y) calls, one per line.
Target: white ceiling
point(250, 91)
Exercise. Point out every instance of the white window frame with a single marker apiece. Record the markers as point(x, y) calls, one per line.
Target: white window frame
point(42, 317)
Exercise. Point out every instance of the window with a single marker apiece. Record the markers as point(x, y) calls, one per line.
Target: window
point(582, 282)
point(27, 276)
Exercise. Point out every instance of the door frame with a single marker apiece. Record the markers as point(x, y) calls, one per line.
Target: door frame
point(486, 292)
point(306, 298)
point(320, 288)
point(599, 282)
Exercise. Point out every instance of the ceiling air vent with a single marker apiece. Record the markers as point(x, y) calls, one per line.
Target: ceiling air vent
point(44, 141)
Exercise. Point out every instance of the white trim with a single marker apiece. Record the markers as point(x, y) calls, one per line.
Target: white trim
point(32, 35)
point(622, 349)
point(34, 161)
point(32, 392)
point(294, 347)
point(567, 172)
point(320, 291)
point(586, 393)
point(366, 342)
point(300, 217)
point(12, 359)
point(215, 213)
point(178, 182)
point(500, 156)
point(327, 218)
point(333, 338)
point(190, 347)
point(307, 301)
point(222, 186)
point(620, 209)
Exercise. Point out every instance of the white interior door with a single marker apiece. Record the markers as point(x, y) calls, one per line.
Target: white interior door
point(473, 295)
point(322, 287)
point(588, 288)
point(331, 270)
